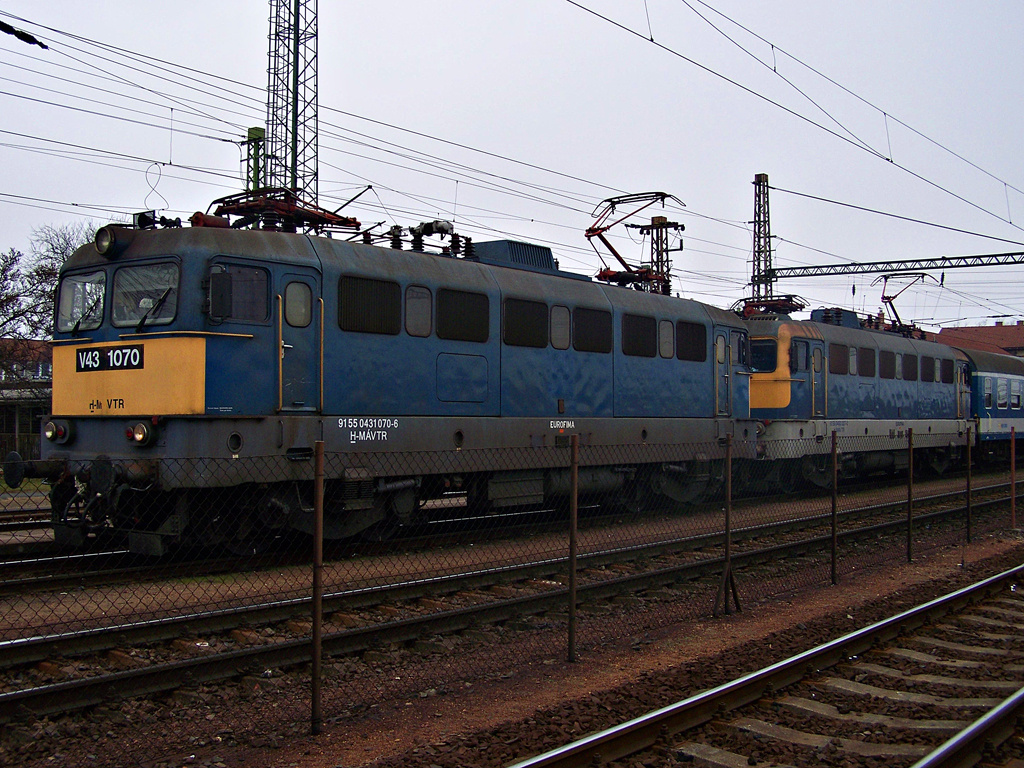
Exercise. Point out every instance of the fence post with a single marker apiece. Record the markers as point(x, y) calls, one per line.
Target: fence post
point(1013, 478)
point(318, 585)
point(969, 469)
point(910, 495)
point(573, 513)
point(835, 508)
point(728, 581)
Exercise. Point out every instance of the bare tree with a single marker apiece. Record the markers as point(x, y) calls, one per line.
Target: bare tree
point(51, 247)
point(12, 309)
point(15, 348)
point(27, 287)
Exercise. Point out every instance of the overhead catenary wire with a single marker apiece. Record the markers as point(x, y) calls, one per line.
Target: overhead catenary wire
point(887, 115)
point(778, 105)
point(875, 211)
point(433, 164)
point(166, 66)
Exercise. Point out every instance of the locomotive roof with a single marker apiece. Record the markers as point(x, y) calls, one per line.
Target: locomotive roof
point(770, 326)
point(533, 279)
point(200, 241)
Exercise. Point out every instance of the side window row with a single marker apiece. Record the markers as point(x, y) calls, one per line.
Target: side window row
point(528, 323)
point(368, 305)
point(1007, 393)
point(860, 361)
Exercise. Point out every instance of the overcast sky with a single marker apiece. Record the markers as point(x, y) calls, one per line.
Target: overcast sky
point(909, 108)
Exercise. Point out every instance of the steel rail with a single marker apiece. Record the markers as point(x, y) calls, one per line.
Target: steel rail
point(642, 732)
point(968, 747)
point(75, 580)
point(26, 525)
point(30, 650)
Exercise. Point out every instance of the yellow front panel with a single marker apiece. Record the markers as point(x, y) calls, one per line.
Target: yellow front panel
point(771, 390)
point(110, 379)
point(774, 390)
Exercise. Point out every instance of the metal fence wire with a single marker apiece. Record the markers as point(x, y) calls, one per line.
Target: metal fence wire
point(444, 568)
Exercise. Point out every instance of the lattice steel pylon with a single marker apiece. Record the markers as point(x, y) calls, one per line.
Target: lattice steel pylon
point(762, 275)
point(291, 143)
point(760, 285)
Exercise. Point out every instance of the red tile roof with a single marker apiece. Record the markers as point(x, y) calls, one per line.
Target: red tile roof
point(1007, 339)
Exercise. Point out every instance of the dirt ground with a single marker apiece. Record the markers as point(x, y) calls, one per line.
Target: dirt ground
point(503, 718)
point(440, 721)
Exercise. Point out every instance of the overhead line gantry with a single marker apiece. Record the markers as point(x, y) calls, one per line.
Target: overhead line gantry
point(897, 266)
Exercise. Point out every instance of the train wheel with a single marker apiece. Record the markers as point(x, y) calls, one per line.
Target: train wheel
point(742, 477)
point(782, 477)
point(817, 470)
point(382, 530)
point(251, 537)
point(683, 487)
point(939, 460)
point(400, 509)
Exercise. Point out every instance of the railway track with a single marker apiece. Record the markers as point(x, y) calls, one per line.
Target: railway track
point(939, 685)
point(26, 545)
point(529, 589)
point(81, 570)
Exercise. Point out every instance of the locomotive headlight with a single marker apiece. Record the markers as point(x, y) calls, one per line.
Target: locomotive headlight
point(104, 241)
point(142, 433)
point(111, 240)
point(57, 431)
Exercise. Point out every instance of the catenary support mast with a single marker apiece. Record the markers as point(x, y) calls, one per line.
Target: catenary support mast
point(291, 149)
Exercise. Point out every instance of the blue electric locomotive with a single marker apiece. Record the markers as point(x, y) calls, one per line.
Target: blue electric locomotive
point(183, 355)
point(811, 378)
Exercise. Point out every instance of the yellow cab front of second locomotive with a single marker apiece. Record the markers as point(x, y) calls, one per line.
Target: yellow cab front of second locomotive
point(787, 369)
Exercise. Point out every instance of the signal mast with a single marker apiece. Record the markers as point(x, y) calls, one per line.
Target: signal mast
point(761, 279)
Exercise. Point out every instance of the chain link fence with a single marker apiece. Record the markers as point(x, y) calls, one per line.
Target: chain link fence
point(417, 544)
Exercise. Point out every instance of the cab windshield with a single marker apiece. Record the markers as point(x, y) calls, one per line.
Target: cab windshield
point(80, 302)
point(763, 355)
point(145, 295)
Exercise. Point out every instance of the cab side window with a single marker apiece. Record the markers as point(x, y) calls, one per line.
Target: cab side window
point(298, 304)
point(738, 347)
point(799, 356)
point(366, 305)
point(838, 358)
point(239, 293)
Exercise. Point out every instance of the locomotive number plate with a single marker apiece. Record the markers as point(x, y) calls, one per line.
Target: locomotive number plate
point(127, 358)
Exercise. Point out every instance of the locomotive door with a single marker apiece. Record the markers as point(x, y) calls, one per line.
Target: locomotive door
point(818, 398)
point(807, 369)
point(300, 336)
point(963, 390)
point(723, 388)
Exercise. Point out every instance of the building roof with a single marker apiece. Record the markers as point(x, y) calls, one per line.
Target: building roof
point(1007, 339)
